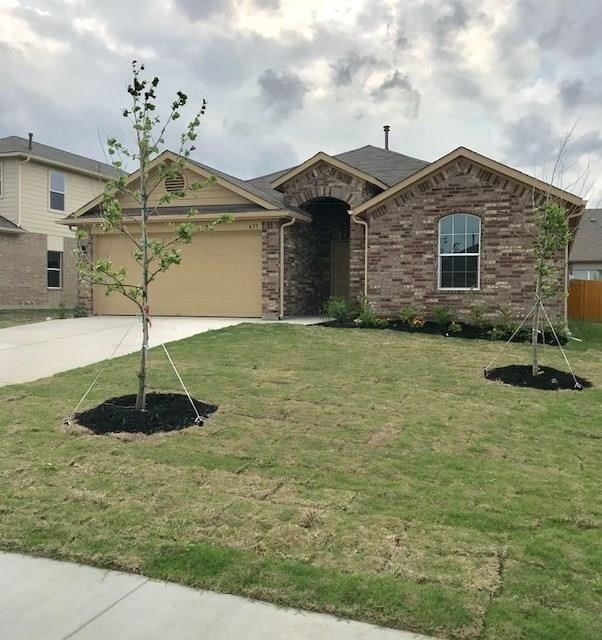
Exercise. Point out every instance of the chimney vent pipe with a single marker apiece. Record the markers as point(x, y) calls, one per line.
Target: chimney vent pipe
point(30, 143)
point(386, 129)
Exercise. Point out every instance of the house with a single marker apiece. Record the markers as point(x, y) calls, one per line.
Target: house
point(38, 186)
point(585, 259)
point(368, 222)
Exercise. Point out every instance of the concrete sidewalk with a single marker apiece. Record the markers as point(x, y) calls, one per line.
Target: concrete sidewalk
point(41, 349)
point(53, 600)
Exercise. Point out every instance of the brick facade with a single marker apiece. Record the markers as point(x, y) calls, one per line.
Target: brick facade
point(23, 262)
point(403, 246)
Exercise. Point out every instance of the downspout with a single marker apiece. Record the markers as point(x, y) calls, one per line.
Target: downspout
point(282, 226)
point(19, 189)
point(365, 225)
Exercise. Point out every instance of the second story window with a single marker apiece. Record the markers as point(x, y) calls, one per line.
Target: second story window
point(57, 191)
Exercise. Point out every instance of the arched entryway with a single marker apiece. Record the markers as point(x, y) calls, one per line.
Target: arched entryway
point(331, 236)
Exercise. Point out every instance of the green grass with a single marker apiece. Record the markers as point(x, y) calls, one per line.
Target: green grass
point(372, 474)
point(13, 317)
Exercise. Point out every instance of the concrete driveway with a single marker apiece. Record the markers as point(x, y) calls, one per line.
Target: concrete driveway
point(32, 351)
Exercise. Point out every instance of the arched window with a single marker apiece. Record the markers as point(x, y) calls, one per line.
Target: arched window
point(459, 251)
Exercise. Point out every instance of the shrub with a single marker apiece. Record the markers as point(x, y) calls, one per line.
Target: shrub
point(367, 317)
point(80, 311)
point(408, 315)
point(478, 317)
point(503, 322)
point(454, 327)
point(62, 313)
point(443, 316)
point(342, 311)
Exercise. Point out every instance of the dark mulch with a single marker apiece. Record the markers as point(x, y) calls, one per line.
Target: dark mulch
point(549, 378)
point(466, 331)
point(164, 412)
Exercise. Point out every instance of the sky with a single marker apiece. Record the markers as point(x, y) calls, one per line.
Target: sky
point(284, 79)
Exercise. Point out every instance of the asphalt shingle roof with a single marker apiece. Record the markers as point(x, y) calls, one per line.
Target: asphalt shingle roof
point(587, 245)
point(388, 166)
point(17, 145)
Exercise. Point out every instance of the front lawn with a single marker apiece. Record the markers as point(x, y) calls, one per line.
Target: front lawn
point(372, 474)
point(12, 317)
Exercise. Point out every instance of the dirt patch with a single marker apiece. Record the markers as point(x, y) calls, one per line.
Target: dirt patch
point(164, 412)
point(549, 378)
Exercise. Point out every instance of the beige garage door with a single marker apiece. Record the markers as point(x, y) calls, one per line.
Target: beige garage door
point(220, 275)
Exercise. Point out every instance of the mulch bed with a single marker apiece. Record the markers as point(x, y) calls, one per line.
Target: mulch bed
point(549, 378)
point(164, 412)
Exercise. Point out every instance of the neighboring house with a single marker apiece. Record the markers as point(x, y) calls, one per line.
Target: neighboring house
point(585, 259)
point(368, 222)
point(40, 185)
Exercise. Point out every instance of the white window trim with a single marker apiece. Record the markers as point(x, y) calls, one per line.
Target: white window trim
point(51, 190)
point(442, 255)
point(60, 270)
point(1, 179)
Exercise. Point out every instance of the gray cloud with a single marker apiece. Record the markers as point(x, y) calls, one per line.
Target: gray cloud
point(399, 83)
point(345, 69)
point(282, 92)
point(576, 93)
point(452, 21)
point(532, 141)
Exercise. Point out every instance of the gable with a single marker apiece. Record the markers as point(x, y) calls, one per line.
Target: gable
point(212, 194)
point(488, 171)
point(322, 158)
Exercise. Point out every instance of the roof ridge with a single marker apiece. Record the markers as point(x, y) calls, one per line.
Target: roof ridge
point(48, 146)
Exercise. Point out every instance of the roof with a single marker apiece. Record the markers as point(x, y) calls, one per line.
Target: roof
point(477, 158)
point(384, 165)
point(259, 191)
point(15, 145)
point(587, 244)
point(388, 166)
point(8, 226)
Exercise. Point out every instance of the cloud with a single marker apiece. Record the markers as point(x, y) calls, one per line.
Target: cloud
point(399, 83)
point(345, 69)
point(282, 92)
point(580, 92)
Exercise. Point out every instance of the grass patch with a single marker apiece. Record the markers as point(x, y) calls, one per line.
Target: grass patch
point(13, 317)
point(372, 474)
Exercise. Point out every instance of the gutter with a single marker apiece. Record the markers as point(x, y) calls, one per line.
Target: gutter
point(55, 163)
point(290, 223)
point(259, 215)
point(355, 219)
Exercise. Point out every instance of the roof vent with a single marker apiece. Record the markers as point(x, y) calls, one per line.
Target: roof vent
point(175, 183)
point(30, 141)
point(386, 129)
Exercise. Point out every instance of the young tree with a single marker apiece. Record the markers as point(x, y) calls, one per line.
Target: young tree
point(152, 255)
point(552, 234)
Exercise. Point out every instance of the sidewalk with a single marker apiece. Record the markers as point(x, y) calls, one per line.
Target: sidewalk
point(50, 600)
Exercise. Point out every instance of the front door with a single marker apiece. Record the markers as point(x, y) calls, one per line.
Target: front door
point(339, 269)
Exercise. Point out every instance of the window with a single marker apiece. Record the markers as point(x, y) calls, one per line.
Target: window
point(57, 191)
point(459, 251)
point(587, 274)
point(55, 270)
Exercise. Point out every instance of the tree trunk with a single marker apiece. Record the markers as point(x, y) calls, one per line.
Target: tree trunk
point(535, 323)
point(141, 395)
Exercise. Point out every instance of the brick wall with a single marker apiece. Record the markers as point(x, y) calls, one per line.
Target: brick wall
point(403, 245)
point(23, 261)
point(270, 271)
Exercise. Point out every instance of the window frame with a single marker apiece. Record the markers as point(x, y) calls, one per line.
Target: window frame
point(1, 178)
point(51, 191)
point(59, 269)
point(441, 255)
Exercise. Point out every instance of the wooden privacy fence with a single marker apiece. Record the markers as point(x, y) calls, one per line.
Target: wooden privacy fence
point(585, 300)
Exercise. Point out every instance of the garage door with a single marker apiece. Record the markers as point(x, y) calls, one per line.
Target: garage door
point(220, 275)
